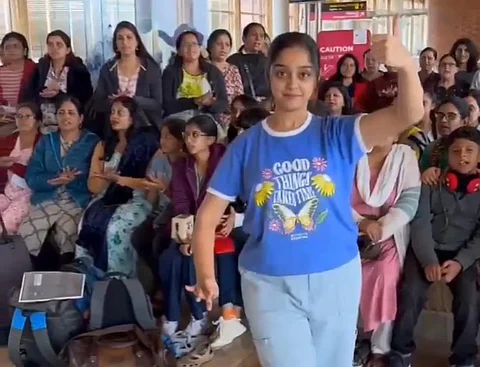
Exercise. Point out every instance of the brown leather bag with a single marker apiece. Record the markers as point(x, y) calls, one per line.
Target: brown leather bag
point(117, 346)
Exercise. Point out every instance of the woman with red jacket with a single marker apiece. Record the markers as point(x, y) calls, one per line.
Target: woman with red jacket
point(15, 152)
point(348, 73)
point(15, 75)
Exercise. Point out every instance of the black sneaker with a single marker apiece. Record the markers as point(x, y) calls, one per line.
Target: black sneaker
point(361, 353)
point(400, 360)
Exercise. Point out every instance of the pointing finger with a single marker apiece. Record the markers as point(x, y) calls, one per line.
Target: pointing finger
point(396, 25)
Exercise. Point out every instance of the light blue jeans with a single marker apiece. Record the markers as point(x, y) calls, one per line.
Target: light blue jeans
point(304, 320)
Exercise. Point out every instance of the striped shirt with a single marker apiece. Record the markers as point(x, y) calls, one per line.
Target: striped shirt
point(10, 81)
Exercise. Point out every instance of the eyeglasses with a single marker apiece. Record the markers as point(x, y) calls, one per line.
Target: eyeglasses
point(450, 116)
point(21, 117)
point(195, 135)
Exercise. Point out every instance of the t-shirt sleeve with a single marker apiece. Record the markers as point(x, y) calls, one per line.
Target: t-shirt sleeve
point(344, 133)
point(227, 180)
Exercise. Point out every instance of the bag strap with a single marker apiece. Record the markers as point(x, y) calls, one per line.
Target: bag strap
point(250, 80)
point(97, 304)
point(38, 324)
point(140, 304)
point(15, 337)
point(38, 321)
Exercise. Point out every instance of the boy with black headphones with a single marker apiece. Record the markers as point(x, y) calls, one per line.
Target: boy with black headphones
point(445, 238)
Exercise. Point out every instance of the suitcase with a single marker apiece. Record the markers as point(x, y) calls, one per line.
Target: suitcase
point(14, 261)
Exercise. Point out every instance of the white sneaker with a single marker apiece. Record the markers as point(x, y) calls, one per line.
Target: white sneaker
point(227, 332)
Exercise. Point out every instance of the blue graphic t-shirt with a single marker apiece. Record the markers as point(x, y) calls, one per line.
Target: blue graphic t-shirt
point(298, 186)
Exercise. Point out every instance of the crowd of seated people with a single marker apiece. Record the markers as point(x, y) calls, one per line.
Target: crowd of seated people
point(101, 172)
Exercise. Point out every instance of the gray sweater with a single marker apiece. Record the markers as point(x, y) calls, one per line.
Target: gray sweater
point(446, 221)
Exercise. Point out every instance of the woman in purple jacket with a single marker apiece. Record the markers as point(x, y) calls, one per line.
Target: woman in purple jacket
point(190, 178)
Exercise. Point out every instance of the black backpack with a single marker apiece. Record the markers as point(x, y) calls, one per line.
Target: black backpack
point(120, 301)
point(40, 330)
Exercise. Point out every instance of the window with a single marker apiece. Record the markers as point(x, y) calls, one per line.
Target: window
point(114, 11)
point(45, 16)
point(234, 15)
point(5, 18)
point(253, 11)
point(222, 16)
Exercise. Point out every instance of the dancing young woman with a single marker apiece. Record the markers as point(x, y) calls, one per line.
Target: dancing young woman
point(300, 267)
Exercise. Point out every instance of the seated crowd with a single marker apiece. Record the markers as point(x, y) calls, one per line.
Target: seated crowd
point(101, 173)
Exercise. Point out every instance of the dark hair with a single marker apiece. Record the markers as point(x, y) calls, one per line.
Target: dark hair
point(251, 116)
point(246, 100)
point(71, 58)
point(449, 55)
point(215, 35)
point(460, 104)
point(472, 50)
point(37, 112)
point(249, 27)
point(175, 126)
point(291, 40)
point(141, 50)
point(357, 77)
point(178, 60)
point(20, 38)
point(347, 109)
point(68, 98)
point(430, 49)
point(464, 132)
point(111, 137)
point(431, 94)
point(206, 124)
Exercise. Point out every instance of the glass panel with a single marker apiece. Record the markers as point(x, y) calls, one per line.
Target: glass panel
point(407, 4)
point(380, 25)
point(5, 21)
point(246, 6)
point(259, 6)
point(220, 5)
point(114, 11)
point(245, 19)
point(67, 15)
point(419, 4)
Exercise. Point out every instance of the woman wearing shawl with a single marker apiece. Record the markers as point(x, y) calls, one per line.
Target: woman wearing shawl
point(117, 172)
point(385, 199)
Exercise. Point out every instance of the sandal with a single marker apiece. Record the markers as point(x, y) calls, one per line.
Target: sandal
point(202, 354)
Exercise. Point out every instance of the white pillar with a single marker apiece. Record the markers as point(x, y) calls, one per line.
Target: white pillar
point(280, 17)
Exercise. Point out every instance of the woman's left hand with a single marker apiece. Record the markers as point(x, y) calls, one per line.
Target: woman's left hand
point(205, 290)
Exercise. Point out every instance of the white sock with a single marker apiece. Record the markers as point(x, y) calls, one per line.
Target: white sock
point(197, 327)
point(169, 327)
point(228, 305)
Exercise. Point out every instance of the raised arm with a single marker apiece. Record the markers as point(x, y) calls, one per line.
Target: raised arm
point(389, 122)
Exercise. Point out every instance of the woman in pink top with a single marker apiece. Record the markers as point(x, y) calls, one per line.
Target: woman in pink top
point(385, 200)
point(15, 199)
point(219, 45)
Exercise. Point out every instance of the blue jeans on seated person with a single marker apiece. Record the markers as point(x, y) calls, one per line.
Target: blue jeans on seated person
point(177, 271)
point(307, 320)
point(227, 272)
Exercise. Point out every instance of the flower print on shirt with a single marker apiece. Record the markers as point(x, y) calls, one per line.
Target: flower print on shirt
point(292, 192)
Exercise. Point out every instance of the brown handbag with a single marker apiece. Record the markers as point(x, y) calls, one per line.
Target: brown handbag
point(117, 346)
